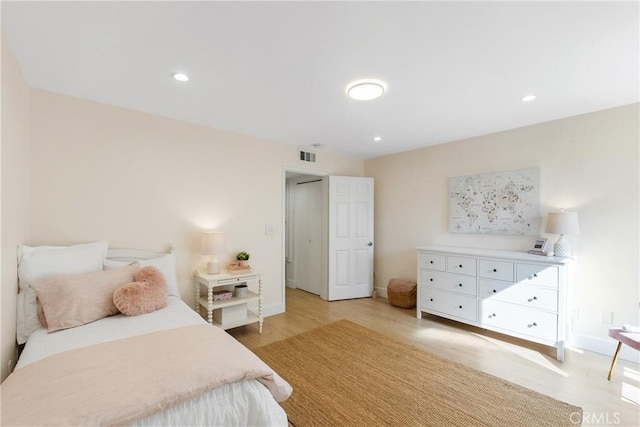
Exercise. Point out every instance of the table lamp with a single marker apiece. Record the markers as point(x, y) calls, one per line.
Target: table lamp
point(212, 245)
point(562, 223)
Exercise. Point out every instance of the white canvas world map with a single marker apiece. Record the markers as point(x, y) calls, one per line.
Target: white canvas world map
point(496, 203)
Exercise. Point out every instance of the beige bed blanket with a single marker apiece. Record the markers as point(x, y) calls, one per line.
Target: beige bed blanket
point(117, 382)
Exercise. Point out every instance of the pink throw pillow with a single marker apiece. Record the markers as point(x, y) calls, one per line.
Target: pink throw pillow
point(77, 299)
point(147, 294)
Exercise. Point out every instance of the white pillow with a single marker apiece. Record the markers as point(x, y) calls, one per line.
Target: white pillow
point(111, 264)
point(167, 266)
point(44, 261)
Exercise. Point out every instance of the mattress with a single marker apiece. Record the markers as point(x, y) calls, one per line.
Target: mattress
point(238, 404)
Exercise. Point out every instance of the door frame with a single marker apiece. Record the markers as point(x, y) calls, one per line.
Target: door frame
point(283, 225)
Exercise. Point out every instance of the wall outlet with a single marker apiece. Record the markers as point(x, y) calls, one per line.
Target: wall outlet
point(268, 229)
point(607, 317)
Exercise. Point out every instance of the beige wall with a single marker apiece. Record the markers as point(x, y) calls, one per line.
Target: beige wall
point(588, 163)
point(75, 171)
point(14, 217)
point(143, 181)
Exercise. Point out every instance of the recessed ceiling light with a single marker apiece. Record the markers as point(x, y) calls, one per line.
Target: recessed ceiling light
point(180, 77)
point(366, 90)
point(528, 98)
point(377, 139)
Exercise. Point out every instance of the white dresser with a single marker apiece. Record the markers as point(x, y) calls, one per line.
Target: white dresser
point(514, 293)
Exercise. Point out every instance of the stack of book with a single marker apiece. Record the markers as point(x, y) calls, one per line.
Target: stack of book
point(236, 268)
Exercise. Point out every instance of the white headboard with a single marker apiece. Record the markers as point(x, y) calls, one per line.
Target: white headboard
point(163, 261)
point(132, 254)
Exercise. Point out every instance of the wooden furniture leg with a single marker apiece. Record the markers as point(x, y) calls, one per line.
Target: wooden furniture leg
point(613, 362)
point(623, 336)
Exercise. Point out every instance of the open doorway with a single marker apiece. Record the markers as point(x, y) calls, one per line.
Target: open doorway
point(304, 228)
point(328, 234)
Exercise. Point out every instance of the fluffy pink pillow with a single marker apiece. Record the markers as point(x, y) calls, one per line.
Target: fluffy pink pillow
point(148, 293)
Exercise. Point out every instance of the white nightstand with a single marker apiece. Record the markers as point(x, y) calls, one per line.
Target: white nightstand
point(219, 311)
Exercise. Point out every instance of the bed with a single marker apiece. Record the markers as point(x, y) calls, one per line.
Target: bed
point(145, 359)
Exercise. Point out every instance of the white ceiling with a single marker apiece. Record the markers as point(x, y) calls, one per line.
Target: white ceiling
point(278, 70)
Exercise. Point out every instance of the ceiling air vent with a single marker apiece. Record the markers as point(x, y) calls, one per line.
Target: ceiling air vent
point(307, 156)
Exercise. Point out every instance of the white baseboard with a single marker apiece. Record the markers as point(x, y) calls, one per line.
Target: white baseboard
point(382, 291)
point(604, 346)
point(290, 284)
point(273, 309)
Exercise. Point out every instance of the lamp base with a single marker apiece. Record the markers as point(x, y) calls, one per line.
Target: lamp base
point(213, 267)
point(561, 247)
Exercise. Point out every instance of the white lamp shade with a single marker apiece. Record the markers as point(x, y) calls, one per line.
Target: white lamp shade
point(562, 223)
point(212, 242)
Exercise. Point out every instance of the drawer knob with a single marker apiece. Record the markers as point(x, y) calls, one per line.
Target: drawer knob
point(532, 325)
point(494, 291)
point(535, 298)
point(459, 306)
point(431, 280)
point(495, 270)
point(535, 274)
point(430, 299)
point(492, 315)
point(460, 284)
point(430, 262)
point(460, 266)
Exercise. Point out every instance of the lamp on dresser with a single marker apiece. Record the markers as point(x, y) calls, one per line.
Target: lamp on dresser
point(212, 245)
point(562, 223)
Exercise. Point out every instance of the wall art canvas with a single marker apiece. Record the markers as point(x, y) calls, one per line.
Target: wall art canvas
point(496, 203)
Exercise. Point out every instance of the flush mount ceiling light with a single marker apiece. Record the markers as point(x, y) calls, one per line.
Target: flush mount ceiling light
point(180, 77)
point(377, 139)
point(366, 90)
point(528, 98)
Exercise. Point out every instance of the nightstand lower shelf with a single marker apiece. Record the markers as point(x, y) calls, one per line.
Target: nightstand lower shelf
point(251, 318)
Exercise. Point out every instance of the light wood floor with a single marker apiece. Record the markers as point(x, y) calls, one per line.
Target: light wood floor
point(580, 380)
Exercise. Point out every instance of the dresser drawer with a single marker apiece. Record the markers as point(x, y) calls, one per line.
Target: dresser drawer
point(433, 261)
point(497, 270)
point(537, 274)
point(431, 278)
point(461, 265)
point(518, 293)
point(513, 318)
point(457, 305)
point(449, 281)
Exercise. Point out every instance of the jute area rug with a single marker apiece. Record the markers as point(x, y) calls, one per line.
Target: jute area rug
point(346, 375)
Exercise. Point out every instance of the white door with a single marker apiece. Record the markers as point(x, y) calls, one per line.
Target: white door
point(308, 236)
point(350, 255)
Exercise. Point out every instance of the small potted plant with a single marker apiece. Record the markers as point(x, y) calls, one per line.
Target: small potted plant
point(243, 258)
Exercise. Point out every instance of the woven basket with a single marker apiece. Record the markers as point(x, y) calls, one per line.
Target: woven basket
point(402, 293)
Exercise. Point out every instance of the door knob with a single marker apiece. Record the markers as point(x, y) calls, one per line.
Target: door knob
point(370, 244)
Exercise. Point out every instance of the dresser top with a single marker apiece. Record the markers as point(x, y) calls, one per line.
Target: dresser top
point(492, 253)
